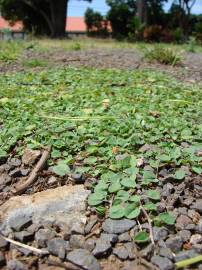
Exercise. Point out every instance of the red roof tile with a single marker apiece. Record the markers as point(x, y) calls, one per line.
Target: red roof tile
point(75, 24)
point(14, 27)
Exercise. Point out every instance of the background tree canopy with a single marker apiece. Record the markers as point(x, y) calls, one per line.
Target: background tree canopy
point(40, 17)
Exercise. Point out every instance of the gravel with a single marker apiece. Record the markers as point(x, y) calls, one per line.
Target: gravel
point(58, 247)
point(174, 243)
point(102, 248)
point(118, 226)
point(84, 259)
point(43, 236)
point(162, 262)
point(121, 252)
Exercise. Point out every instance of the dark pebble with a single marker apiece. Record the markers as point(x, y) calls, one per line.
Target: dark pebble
point(43, 236)
point(166, 252)
point(58, 247)
point(110, 237)
point(77, 241)
point(121, 252)
point(15, 173)
point(20, 222)
point(23, 236)
point(3, 243)
point(102, 248)
point(183, 255)
point(90, 225)
point(162, 262)
point(174, 243)
point(14, 162)
point(185, 235)
point(16, 265)
point(147, 252)
point(78, 178)
point(182, 222)
point(197, 206)
point(89, 244)
point(2, 259)
point(167, 190)
point(124, 237)
point(160, 233)
point(78, 229)
point(131, 248)
point(84, 259)
point(118, 226)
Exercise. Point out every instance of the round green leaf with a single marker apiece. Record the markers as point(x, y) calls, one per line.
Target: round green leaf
point(116, 211)
point(96, 198)
point(153, 194)
point(167, 218)
point(197, 170)
point(61, 169)
point(128, 183)
point(141, 237)
point(114, 187)
point(122, 195)
point(180, 174)
point(132, 211)
point(150, 206)
point(135, 198)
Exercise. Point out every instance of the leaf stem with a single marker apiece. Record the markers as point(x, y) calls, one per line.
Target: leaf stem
point(188, 262)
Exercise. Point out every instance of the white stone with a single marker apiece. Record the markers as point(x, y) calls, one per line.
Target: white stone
point(64, 205)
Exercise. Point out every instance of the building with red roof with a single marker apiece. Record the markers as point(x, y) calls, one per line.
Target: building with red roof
point(73, 25)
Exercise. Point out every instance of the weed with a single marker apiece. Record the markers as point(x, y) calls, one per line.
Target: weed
point(35, 62)
point(192, 45)
point(163, 55)
point(76, 46)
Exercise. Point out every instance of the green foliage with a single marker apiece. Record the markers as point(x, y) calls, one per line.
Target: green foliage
point(180, 174)
point(61, 169)
point(141, 237)
point(64, 108)
point(35, 62)
point(166, 218)
point(10, 51)
point(96, 23)
point(163, 55)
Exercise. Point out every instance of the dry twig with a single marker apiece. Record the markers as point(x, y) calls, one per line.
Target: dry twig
point(150, 225)
point(33, 249)
point(18, 189)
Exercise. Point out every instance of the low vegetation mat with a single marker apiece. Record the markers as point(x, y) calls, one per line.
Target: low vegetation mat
point(134, 136)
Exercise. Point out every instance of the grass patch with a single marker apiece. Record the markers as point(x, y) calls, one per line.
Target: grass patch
point(10, 51)
point(163, 55)
point(35, 62)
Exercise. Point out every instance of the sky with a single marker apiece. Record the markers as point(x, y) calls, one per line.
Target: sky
point(78, 7)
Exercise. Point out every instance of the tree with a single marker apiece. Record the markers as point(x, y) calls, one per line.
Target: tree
point(121, 15)
point(42, 17)
point(142, 11)
point(182, 11)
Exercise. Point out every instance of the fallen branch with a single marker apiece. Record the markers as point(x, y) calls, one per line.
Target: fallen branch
point(33, 249)
point(150, 225)
point(18, 189)
point(188, 262)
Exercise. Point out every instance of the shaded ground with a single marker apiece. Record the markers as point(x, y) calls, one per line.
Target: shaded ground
point(189, 71)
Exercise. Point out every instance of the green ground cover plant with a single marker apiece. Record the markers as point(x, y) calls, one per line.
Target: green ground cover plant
point(101, 118)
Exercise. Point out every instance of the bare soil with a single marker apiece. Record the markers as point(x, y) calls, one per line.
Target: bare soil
point(189, 71)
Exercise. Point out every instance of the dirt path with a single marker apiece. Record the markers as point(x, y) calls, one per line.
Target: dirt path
point(190, 70)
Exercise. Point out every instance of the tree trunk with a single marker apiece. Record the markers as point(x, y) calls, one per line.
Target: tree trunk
point(142, 11)
point(58, 17)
